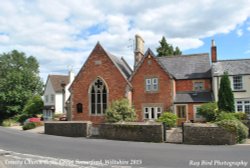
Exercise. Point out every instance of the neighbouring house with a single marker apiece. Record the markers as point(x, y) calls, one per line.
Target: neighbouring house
point(172, 83)
point(102, 79)
point(56, 94)
point(239, 75)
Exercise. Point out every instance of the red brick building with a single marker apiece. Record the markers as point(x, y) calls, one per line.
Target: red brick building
point(157, 84)
point(102, 79)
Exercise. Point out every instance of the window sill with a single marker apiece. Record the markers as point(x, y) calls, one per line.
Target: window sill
point(150, 92)
point(239, 90)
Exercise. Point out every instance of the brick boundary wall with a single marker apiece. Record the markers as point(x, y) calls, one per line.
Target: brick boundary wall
point(207, 134)
point(68, 128)
point(143, 132)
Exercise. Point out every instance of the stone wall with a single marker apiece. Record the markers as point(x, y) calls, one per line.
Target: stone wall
point(207, 134)
point(68, 128)
point(144, 132)
point(247, 123)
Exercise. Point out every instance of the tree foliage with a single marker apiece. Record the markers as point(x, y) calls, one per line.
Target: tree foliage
point(120, 110)
point(208, 111)
point(168, 118)
point(166, 49)
point(19, 81)
point(34, 106)
point(225, 96)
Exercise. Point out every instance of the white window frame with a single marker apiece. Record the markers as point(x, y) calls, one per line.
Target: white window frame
point(238, 83)
point(243, 104)
point(151, 84)
point(157, 112)
point(148, 84)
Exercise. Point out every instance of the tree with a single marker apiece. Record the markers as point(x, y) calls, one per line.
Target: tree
point(225, 96)
point(34, 106)
point(19, 81)
point(166, 49)
point(120, 110)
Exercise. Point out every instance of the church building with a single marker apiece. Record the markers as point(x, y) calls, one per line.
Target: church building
point(157, 84)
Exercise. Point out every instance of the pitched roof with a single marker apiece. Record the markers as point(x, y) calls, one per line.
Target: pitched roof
point(56, 81)
point(193, 66)
point(121, 64)
point(193, 97)
point(233, 67)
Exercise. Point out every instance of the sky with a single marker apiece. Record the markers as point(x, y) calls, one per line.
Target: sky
point(62, 33)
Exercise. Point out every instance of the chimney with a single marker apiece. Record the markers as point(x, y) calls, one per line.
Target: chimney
point(139, 49)
point(213, 52)
point(71, 76)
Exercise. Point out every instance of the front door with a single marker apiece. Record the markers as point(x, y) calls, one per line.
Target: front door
point(181, 112)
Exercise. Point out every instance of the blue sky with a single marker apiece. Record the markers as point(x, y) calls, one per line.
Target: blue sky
point(62, 33)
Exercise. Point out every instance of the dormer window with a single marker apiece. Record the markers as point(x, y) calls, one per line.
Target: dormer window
point(237, 83)
point(198, 85)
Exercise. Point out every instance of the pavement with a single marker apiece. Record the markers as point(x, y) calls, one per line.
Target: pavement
point(39, 130)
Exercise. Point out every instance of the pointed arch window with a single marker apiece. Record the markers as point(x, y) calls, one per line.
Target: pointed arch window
point(98, 97)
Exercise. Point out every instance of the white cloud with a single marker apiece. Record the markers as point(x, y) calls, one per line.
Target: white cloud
point(61, 32)
point(239, 32)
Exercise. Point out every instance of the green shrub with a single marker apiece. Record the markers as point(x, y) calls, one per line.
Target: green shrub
point(120, 110)
point(29, 126)
point(208, 111)
point(240, 115)
point(225, 116)
point(38, 124)
point(235, 126)
point(8, 122)
point(168, 118)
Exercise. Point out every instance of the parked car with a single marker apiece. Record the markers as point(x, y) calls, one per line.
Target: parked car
point(63, 118)
point(33, 119)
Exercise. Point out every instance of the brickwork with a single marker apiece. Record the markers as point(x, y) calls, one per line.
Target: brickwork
point(187, 85)
point(164, 96)
point(100, 65)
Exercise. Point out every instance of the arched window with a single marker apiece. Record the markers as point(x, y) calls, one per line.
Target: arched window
point(98, 97)
point(79, 107)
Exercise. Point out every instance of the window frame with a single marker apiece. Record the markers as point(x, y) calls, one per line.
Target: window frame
point(156, 113)
point(237, 83)
point(98, 104)
point(151, 84)
point(52, 98)
point(199, 89)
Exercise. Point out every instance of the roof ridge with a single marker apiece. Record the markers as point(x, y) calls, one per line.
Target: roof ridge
point(185, 55)
point(243, 59)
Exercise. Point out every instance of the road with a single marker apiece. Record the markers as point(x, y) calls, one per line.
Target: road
point(83, 152)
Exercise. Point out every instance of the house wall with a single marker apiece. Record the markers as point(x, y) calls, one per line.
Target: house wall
point(245, 94)
point(97, 65)
point(58, 103)
point(48, 91)
point(163, 97)
point(188, 85)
